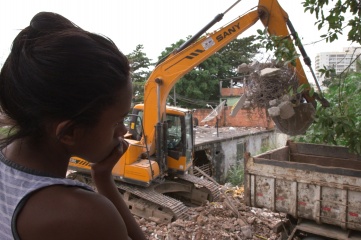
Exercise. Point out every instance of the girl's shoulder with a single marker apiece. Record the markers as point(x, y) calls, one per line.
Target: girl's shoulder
point(63, 212)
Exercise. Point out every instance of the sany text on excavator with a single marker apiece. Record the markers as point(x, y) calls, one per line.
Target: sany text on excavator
point(155, 170)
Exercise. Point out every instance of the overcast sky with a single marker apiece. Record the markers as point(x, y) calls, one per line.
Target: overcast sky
point(154, 23)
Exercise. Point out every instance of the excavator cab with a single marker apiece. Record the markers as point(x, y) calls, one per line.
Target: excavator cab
point(176, 131)
point(179, 138)
point(135, 129)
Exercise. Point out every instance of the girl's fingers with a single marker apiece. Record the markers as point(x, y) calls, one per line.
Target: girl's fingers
point(110, 161)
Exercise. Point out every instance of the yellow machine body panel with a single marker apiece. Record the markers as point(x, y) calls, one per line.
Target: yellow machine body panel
point(79, 164)
point(133, 154)
point(178, 165)
point(129, 157)
point(140, 171)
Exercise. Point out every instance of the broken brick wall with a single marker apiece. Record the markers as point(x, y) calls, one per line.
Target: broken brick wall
point(230, 92)
point(244, 118)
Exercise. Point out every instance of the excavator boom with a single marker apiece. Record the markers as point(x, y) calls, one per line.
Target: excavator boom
point(166, 74)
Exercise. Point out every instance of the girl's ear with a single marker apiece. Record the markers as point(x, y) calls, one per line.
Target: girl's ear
point(65, 132)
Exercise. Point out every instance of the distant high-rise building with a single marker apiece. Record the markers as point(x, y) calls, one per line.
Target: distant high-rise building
point(337, 60)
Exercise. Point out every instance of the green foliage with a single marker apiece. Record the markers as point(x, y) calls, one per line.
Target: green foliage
point(4, 131)
point(340, 124)
point(168, 50)
point(333, 16)
point(265, 147)
point(7, 131)
point(282, 47)
point(139, 64)
point(328, 74)
point(235, 175)
point(295, 93)
point(201, 85)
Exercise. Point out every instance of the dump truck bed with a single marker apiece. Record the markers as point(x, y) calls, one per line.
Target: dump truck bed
point(308, 181)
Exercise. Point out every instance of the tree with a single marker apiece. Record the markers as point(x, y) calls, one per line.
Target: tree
point(139, 64)
point(339, 124)
point(201, 85)
point(335, 19)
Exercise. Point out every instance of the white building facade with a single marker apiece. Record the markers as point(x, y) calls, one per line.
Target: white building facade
point(337, 60)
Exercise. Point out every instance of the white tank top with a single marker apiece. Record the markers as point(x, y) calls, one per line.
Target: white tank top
point(16, 185)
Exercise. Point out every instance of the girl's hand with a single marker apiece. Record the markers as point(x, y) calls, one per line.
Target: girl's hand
point(105, 184)
point(106, 166)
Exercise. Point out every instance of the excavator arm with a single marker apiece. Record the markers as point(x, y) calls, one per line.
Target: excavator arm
point(275, 19)
point(167, 73)
point(278, 24)
point(198, 49)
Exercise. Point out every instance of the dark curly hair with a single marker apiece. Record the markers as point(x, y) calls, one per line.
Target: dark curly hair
point(58, 71)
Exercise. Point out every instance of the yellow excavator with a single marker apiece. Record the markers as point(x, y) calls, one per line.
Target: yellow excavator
point(154, 175)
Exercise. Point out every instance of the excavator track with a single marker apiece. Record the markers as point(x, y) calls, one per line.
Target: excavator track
point(148, 202)
point(213, 188)
point(153, 202)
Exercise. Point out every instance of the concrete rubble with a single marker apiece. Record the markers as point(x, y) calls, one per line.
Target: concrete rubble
point(216, 220)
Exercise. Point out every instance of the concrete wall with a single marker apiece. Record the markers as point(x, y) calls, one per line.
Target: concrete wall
point(224, 153)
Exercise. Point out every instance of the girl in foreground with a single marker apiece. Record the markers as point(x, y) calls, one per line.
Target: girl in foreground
point(64, 92)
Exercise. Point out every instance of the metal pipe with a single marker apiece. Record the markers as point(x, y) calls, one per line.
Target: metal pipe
point(159, 83)
point(306, 58)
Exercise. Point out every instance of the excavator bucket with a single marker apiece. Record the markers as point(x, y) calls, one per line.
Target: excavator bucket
point(299, 122)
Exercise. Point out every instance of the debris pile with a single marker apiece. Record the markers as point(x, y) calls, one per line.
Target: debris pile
point(216, 220)
point(209, 131)
point(227, 219)
point(267, 82)
point(275, 87)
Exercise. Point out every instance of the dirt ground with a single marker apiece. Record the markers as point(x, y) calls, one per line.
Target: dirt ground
point(217, 220)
